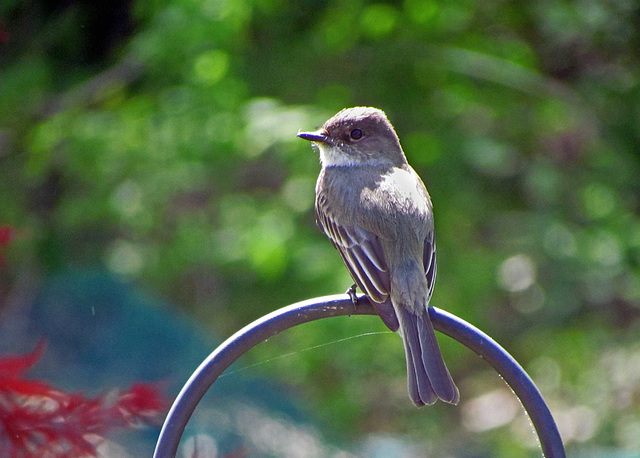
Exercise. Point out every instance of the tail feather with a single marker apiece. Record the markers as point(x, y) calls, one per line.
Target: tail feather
point(420, 390)
point(436, 369)
point(412, 380)
point(427, 375)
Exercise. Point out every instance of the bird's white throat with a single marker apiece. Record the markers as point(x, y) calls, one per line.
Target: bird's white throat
point(332, 156)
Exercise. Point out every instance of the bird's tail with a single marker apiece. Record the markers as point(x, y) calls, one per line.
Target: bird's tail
point(427, 375)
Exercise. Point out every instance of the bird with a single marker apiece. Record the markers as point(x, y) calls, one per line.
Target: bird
point(377, 213)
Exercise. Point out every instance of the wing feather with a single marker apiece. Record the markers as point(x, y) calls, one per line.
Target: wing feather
point(362, 252)
point(430, 265)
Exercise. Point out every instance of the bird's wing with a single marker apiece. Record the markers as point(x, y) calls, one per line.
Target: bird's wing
point(429, 261)
point(362, 253)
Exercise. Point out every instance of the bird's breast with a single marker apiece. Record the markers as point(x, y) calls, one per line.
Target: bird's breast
point(382, 199)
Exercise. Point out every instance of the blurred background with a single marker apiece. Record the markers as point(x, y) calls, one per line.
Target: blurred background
point(154, 199)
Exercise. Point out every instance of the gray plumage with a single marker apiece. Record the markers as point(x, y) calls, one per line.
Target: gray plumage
point(378, 214)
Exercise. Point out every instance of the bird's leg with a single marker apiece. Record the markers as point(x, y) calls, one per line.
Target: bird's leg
point(352, 294)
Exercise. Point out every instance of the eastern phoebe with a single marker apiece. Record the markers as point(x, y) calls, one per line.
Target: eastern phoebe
point(378, 214)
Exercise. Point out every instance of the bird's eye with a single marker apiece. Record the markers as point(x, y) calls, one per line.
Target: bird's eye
point(356, 134)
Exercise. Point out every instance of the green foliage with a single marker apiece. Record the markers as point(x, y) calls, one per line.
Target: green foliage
point(174, 162)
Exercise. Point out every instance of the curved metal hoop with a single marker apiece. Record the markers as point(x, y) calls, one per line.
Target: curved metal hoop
point(324, 307)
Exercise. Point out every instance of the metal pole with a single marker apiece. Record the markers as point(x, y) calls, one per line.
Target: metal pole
point(324, 307)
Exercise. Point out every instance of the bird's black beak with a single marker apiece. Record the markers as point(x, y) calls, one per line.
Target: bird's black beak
point(318, 136)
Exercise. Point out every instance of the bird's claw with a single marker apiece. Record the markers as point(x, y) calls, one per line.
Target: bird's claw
point(352, 294)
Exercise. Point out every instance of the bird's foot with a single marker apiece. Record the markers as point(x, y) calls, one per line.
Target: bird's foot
point(352, 294)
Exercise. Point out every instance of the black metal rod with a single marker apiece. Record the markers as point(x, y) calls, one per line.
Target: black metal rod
point(324, 307)
point(512, 373)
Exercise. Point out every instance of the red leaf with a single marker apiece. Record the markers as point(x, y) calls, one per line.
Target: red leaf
point(4, 36)
point(6, 234)
point(13, 367)
point(39, 420)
